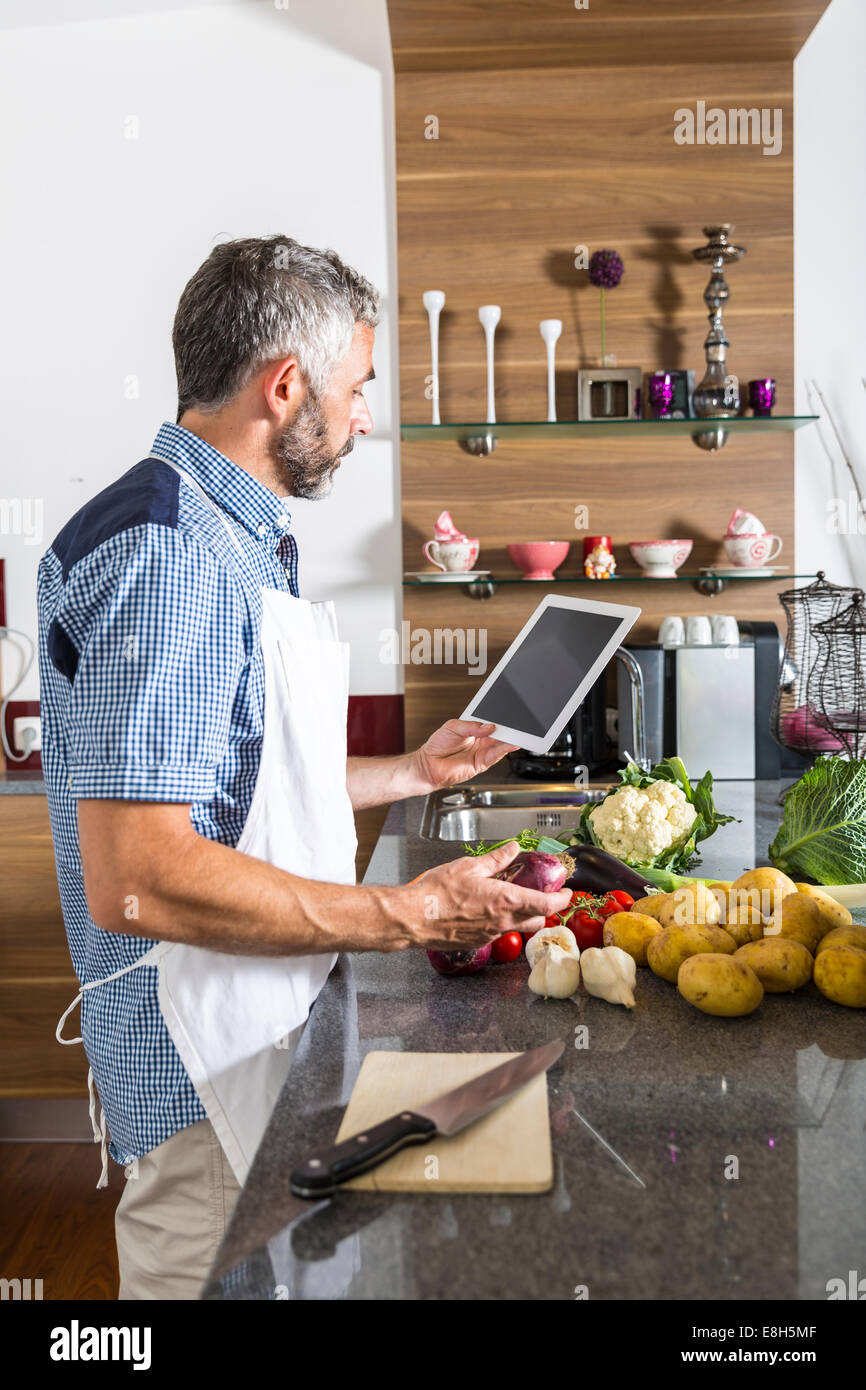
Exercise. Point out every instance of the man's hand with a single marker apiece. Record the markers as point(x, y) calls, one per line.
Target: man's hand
point(462, 904)
point(459, 750)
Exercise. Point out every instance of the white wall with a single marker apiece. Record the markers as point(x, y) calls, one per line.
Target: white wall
point(830, 286)
point(252, 120)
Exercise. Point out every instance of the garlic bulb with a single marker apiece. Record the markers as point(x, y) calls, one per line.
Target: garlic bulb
point(610, 974)
point(555, 959)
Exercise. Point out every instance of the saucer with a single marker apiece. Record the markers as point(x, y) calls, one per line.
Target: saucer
point(447, 576)
point(752, 571)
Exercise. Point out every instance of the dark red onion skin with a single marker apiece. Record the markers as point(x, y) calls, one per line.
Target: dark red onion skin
point(531, 869)
point(461, 962)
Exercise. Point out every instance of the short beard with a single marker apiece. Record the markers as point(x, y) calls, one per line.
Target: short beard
point(302, 453)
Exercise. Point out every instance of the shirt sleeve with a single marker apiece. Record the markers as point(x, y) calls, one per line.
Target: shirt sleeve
point(160, 630)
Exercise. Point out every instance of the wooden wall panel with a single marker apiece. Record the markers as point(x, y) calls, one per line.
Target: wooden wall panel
point(454, 35)
point(529, 164)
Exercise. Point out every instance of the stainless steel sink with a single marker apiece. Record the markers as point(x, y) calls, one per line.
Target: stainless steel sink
point(493, 813)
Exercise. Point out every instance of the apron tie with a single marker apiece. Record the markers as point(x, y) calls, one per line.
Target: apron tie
point(100, 1132)
point(100, 1128)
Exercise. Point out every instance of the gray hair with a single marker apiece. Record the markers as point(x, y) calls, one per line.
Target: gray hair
point(258, 299)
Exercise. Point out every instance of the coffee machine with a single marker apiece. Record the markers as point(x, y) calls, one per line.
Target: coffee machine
point(710, 706)
point(582, 744)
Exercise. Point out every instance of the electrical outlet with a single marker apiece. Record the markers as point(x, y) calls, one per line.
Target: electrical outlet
point(27, 734)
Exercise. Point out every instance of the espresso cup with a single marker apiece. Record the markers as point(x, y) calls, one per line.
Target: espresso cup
point(752, 551)
point(726, 633)
point(672, 632)
point(698, 632)
point(456, 557)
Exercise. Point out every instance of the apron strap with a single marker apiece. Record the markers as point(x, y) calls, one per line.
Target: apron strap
point(100, 1128)
point(100, 1131)
point(149, 958)
point(196, 487)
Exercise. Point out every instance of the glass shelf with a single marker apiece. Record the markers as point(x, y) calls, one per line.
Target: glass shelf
point(709, 584)
point(598, 429)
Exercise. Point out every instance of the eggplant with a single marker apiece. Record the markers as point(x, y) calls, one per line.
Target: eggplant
point(596, 871)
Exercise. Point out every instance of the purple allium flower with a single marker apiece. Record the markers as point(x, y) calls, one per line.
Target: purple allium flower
point(605, 269)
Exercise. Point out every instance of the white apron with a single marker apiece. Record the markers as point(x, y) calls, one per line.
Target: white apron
point(236, 1020)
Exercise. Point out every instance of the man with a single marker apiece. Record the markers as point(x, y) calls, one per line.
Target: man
point(194, 714)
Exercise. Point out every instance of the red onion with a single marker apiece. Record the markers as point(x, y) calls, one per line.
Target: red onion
point(545, 872)
point(803, 728)
point(460, 962)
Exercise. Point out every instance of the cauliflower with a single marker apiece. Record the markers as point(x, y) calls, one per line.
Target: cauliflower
point(640, 823)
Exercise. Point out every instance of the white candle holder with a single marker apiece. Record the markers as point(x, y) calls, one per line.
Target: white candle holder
point(550, 330)
point(433, 301)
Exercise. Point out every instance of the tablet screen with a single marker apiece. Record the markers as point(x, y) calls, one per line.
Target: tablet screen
point(546, 670)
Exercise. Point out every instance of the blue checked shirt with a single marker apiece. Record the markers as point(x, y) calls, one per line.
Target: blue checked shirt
point(152, 689)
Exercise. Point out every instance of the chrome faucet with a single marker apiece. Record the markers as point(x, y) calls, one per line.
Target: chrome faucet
point(638, 707)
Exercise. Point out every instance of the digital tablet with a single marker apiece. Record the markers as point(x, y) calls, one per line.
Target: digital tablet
point(553, 662)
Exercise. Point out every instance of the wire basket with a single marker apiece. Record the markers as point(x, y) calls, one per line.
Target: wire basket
point(794, 722)
point(837, 684)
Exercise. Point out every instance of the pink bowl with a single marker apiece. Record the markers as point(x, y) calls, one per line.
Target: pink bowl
point(538, 559)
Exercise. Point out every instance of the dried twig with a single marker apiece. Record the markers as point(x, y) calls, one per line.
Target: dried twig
point(827, 411)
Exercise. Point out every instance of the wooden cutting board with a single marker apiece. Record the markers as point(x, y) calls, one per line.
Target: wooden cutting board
point(506, 1151)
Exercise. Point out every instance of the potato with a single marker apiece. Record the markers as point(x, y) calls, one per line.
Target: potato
point(798, 919)
point(720, 890)
point(720, 985)
point(632, 932)
point(720, 940)
point(667, 951)
point(844, 936)
point(840, 974)
point(651, 905)
point(691, 905)
point(744, 925)
point(835, 913)
point(781, 964)
point(770, 884)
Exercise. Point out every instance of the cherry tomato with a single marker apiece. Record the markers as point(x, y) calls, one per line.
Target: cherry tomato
point(625, 900)
point(588, 930)
point(507, 947)
point(608, 907)
point(528, 935)
point(553, 921)
point(580, 895)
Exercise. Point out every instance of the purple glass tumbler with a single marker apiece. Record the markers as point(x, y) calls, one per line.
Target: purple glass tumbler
point(660, 392)
point(762, 395)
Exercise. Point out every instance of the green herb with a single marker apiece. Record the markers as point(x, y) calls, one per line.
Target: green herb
point(823, 830)
point(527, 839)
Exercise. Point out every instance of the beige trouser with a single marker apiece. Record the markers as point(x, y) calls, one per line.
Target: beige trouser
point(173, 1214)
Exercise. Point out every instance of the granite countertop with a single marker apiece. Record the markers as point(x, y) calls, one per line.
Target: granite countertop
point(21, 782)
point(694, 1157)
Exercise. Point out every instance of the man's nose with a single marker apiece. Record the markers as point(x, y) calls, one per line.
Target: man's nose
point(362, 422)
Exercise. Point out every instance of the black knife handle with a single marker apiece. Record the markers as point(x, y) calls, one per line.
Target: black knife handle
point(323, 1172)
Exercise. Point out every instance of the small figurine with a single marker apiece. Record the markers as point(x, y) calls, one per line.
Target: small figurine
point(598, 557)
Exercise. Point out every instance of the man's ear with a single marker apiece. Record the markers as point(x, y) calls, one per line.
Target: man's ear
point(283, 387)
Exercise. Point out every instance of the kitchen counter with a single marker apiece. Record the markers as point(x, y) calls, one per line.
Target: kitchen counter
point(21, 782)
point(694, 1157)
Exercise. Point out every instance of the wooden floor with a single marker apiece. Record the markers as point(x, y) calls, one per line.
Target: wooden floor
point(54, 1224)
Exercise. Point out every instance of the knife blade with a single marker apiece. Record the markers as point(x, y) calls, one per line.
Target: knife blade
point(322, 1173)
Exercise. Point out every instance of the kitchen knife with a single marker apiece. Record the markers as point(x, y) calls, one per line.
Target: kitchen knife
point(322, 1173)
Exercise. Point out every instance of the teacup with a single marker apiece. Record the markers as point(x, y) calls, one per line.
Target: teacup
point(456, 557)
point(752, 552)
